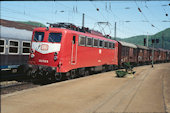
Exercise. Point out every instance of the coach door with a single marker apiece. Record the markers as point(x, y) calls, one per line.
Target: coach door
point(74, 50)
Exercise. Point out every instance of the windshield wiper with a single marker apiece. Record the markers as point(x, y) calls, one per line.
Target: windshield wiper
point(51, 39)
point(35, 39)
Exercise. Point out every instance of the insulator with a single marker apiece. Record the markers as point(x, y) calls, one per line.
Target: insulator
point(139, 9)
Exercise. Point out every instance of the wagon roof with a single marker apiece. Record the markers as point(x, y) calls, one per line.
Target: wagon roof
point(127, 44)
point(162, 49)
point(153, 48)
point(142, 47)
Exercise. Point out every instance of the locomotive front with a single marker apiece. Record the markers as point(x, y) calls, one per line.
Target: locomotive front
point(45, 49)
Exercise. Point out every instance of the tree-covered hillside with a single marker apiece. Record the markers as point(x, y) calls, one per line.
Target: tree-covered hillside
point(33, 23)
point(140, 39)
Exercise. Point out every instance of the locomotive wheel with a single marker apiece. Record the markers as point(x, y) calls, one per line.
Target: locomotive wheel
point(86, 73)
point(71, 74)
point(103, 69)
point(57, 77)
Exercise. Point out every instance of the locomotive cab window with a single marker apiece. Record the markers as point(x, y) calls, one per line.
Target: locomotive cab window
point(13, 47)
point(55, 37)
point(95, 42)
point(89, 41)
point(26, 47)
point(100, 43)
point(82, 40)
point(38, 36)
point(2, 46)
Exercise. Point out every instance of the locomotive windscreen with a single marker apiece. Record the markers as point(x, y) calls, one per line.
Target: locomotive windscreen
point(38, 36)
point(54, 37)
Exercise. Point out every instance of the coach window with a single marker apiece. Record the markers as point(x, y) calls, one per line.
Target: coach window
point(100, 43)
point(89, 41)
point(105, 44)
point(82, 40)
point(13, 47)
point(38, 36)
point(2, 46)
point(95, 42)
point(26, 47)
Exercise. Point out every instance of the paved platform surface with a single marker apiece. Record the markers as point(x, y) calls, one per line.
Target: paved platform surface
point(149, 91)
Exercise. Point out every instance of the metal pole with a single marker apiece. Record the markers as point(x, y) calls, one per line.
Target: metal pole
point(162, 40)
point(152, 54)
point(115, 32)
point(147, 40)
point(83, 20)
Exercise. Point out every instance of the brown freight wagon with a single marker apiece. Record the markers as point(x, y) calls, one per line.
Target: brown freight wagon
point(168, 55)
point(143, 54)
point(127, 52)
point(162, 55)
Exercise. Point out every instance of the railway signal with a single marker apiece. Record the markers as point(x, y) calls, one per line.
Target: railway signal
point(153, 41)
point(144, 41)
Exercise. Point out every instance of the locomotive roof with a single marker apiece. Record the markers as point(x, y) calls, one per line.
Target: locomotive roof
point(14, 33)
point(142, 47)
point(77, 32)
point(127, 44)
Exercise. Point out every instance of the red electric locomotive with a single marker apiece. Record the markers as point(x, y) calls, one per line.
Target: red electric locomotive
point(70, 51)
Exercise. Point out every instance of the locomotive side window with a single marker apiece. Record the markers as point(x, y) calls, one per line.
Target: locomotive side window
point(74, 39)
point(100, 43)
point(38, 36)
point(105, 44)
point(95, 42)
point(113, 45)
point(26, 47)
point(89, 41)
point(13, 47)
point(54, 37)
point(110, 45)
point(82, 40)
point(2, 46)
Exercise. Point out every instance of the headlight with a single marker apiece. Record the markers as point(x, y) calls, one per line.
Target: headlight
point(32, 55)
point(55, 53)
point(32, 51)
point(55, 58)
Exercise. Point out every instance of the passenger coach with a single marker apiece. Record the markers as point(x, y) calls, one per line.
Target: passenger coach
point(14, 47)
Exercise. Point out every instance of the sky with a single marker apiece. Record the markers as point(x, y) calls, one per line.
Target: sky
point(132, 17)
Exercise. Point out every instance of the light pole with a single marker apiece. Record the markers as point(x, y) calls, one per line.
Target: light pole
point(152, 53)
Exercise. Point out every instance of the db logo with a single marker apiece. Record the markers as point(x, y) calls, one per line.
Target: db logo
point(44, 47)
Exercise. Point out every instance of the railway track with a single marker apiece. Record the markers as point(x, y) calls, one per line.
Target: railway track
point(6, 89)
